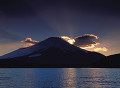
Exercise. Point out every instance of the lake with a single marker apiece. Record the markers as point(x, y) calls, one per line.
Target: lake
point(59, 78)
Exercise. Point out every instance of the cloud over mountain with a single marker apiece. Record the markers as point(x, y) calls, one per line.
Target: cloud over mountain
point(86, 40)
point(29, 42)
point(101, 49)
point(68, 39)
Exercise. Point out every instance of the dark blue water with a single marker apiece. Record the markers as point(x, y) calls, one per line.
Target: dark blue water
point(59, 78)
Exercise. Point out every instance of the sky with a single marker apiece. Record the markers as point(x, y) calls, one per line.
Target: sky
point(40, 19)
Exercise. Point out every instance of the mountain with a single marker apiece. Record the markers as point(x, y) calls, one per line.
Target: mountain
point(52, 52)
point(112, 61)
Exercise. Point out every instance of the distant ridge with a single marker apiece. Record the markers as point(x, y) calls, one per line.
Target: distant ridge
point(112, 61)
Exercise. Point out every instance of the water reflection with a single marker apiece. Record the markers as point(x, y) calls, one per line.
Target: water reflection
point(28, 79)
point(93, 78)
point(4, 78)
point(69, 78)
point(17, 78)
point(59, 78)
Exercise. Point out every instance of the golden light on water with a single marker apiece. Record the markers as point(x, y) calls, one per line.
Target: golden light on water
point(69, 75)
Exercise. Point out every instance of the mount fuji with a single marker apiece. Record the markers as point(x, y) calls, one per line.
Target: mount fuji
point(52, 52)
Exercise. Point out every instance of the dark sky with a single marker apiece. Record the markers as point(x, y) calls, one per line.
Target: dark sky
point(40, 19)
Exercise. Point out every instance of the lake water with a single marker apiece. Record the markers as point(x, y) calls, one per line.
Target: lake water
point(59, 78)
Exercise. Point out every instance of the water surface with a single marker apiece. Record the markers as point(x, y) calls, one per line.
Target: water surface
point(59, 78)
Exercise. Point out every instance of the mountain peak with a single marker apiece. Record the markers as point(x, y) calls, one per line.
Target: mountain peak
point(53, 40)
point(53, 50)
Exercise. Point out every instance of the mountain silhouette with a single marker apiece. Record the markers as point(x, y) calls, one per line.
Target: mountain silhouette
point(112, 61)
point(52, 52)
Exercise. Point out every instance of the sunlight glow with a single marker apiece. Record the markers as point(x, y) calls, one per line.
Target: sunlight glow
point(101, 49)
point(68, 39)
point(29, 42)
point(69, 74)
point(92, 46)
point(96, 37)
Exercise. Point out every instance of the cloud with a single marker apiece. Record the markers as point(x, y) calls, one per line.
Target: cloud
point(86, 41)
point(101, 49)
point(29, 42)
point(68, 39)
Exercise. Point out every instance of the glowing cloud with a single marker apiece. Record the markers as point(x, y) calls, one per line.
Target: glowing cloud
point(101, 49)
point(86, 41)
point(29, 42)
point(68, 39)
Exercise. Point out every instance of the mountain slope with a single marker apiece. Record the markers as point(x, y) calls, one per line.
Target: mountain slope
point(112, 61)
point(53, 51)
point(44, 45)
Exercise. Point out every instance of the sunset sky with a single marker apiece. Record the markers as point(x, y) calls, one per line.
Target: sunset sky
point(40, 19)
